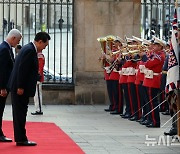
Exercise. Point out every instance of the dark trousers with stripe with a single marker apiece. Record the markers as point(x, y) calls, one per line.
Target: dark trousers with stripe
point(154, 116)
point(143, 98)
point(113, 95)
point(132, 98)
point(121, 100)
point(139, 104)
point(126, 97)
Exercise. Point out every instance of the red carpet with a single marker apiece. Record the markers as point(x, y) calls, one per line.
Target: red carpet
point(49, 137)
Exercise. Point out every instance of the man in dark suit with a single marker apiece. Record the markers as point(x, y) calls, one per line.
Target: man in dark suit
point(22, 84)
point(6, 66)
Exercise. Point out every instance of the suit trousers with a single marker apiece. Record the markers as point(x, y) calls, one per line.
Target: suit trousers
point(2, 106)
point(38, 97)
point(20, 107)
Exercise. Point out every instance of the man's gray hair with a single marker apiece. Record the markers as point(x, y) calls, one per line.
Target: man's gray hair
point(14, 33)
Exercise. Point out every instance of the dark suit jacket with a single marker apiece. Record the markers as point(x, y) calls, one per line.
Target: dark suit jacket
point(6, 64)
point(25, 71)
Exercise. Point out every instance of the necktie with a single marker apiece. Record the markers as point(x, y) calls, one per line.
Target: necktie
point(11, 55)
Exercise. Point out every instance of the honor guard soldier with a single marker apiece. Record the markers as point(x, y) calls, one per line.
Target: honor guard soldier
point(38, 94)
point(123, 82)
point(141, 95)
point(152, 81)
point(105, 62)
point(110, 81)
point(114, 76)
point(145, 97)
point(132, 88)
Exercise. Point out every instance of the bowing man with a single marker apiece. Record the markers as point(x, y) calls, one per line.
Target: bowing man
point(22, 84)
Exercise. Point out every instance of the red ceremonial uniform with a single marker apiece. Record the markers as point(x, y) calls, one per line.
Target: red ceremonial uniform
point(106, 75)
point(140, 72)
point(123, 76)
point(114, 74)
point(41, 60)
point(154, 64)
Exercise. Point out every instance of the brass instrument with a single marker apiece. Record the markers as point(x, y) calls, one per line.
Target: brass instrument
point(120, 51)
point(141, 48)
point(110, 39)
point(110, 68)
point(128, 50)
point(131, 52)
point(102, 41)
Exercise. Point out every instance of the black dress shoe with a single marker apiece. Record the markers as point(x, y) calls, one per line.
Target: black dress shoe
point(134, 118)
point(5, 139)
point(115, 112)
point(151, 125)
point(37, 113)
point(172, 132)
point(126, 116)
point(26, 143)
point(145, 122)
point(141, 120)
point(108, 110)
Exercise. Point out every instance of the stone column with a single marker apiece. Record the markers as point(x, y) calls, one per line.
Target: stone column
point(92, 19)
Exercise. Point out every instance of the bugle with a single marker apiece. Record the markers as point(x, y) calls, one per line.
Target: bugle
point(135, 47)
point(110, 39)
point(102, 41)
point(119, 51)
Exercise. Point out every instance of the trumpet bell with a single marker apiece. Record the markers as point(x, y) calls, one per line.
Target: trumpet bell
point(110, 38)
point(101, 39)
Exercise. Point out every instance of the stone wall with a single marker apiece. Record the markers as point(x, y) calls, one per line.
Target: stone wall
point(92, 19)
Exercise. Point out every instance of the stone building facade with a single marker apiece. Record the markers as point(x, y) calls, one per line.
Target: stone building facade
point(92, 19)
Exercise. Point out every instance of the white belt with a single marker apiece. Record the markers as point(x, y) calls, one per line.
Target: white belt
point(125, 71)
point(131, 71)
point(149, 74)
point(142, 68)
